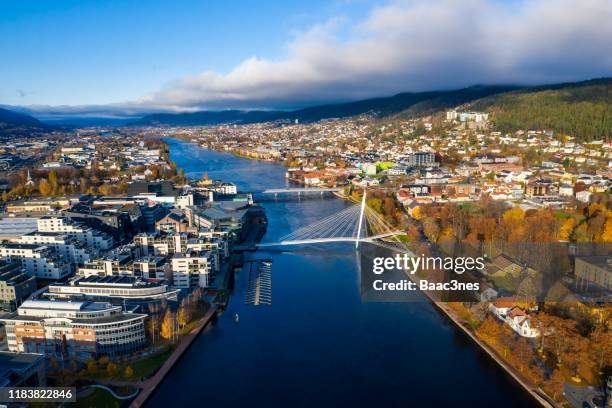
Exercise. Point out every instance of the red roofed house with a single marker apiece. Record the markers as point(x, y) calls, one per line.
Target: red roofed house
point(514, 316)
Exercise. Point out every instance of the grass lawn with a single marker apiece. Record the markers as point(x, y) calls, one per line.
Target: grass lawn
point(98, 398)
point(143, 367)
point(197, 315)
point(149, 365)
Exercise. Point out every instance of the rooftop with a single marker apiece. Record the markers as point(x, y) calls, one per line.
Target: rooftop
point(60, 305)
point(601, 261)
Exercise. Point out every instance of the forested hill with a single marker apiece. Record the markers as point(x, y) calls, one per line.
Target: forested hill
point(424, 102)
point(15, 124)
point(582, 109)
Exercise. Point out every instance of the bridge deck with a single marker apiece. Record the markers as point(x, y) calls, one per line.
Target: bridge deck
point(300, 190)
point(331, 239)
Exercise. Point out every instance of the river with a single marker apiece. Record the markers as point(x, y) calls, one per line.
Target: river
point(319, 344)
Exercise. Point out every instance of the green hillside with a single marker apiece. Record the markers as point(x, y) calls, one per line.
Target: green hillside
point(580, 109)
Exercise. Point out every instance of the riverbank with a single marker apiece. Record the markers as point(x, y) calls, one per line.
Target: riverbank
point(443, 308)
point(536, 393)
point(404, 352)
point(149, 386)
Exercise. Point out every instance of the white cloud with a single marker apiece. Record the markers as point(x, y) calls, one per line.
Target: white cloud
point(411, 46)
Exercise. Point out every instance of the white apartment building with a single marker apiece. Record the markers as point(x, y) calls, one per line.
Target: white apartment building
point(36, 259)
point(74, 329)
point(156, 244)
point(221, 237)
point(65, 247)
point(192, 269)
point(152, 267)
point(184, 201)
point(98, 240)
point(111, 265)
point(225, 188)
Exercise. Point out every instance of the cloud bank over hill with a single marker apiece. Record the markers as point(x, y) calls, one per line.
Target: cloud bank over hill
point(403, 46)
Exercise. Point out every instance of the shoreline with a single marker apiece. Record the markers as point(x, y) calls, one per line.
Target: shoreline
point(537, 394)
point(149, 386)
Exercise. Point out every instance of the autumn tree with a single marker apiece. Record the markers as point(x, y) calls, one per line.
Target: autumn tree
point(153, 326)
point(111, 369)
point(375, 204)
point(606, 235)
point(44, 188)
point(489, 330)
point(566, 229)
point(183, 314)
point(103, 361)
point(92, 367)
point(431, 229)
point(53, 179)
point(167, 325)
point(128, 373)
point(555, 384)
point(53, 363)
point(601, 351)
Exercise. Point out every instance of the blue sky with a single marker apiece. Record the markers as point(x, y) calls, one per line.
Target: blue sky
point(96, 52)
point(138, 56)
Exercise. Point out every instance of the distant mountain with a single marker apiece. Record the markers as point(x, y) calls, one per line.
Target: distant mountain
point(580, 109)
point(209, 118)
point(385, 106)
point(15, 124)
point(87, 121)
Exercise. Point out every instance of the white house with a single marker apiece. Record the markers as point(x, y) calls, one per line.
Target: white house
point(513, 316)
point(583, 196)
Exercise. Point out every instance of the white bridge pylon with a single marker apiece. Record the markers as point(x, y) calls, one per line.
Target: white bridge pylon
point(357, 223)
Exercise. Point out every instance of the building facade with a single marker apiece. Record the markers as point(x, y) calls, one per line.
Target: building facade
point(74, 329)
point(594, 270)
point(15, 285)
point(37, 260)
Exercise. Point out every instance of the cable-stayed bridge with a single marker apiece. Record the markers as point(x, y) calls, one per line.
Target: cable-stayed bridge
point(358, 223)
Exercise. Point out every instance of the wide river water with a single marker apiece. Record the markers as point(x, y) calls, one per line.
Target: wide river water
point(319, 344)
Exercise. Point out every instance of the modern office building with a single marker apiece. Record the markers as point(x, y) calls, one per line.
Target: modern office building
point(112, 289)
point(163, 187)
point(120, 221)
point(74, 329)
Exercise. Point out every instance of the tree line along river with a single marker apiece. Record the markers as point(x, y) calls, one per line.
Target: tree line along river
point(319, 344)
